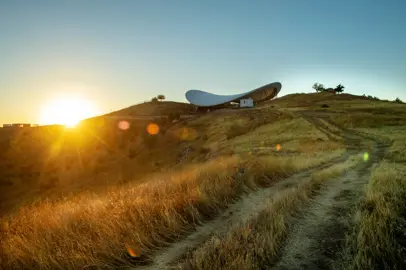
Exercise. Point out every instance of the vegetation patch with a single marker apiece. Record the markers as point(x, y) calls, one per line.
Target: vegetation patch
point(257, 243)
point(93, 230)
point(378, 238)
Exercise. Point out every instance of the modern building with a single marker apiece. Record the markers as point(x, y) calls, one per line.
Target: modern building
point(207, 100)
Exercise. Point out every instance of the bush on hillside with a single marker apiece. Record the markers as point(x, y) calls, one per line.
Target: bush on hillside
point(320, 88)
point(397, 100)
point(339, 88)
point(374, 98)
point(160, 97)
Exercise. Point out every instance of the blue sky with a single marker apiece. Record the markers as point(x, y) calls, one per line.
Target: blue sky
point(118, 53)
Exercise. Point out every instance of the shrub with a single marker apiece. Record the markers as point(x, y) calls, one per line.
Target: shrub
point(397, 100)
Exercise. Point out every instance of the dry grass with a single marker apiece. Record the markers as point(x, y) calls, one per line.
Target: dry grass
point(337, 169)
point(395, 136)
point(370, 118)
point(93, 230)
point(99, 229)
point(378, 239)
point(292, 135)
point(256, 244)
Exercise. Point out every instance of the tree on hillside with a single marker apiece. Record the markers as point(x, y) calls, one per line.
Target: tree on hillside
point(160, 97)
point(339, 88)
point(318, 87)
point(397, 100)
point(154, 100)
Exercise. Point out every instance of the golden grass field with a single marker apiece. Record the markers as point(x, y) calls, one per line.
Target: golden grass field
point(104, 198)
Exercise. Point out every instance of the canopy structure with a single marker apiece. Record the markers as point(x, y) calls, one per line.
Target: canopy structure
point(204, 99)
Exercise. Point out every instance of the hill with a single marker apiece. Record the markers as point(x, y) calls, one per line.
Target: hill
point(155, 109)
point(275, 186)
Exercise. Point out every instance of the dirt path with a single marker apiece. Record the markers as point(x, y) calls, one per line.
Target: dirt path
point(316, 237)
point(241, 211)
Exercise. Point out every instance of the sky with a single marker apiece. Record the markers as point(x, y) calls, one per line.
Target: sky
point(119, 53)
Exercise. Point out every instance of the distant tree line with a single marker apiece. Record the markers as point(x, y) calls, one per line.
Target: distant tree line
point(397, 100)
point(320, 88)
point(371, 97)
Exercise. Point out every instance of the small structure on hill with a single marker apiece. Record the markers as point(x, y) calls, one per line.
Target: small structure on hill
point(211, 101)
point(18, 125)
point(246, 103)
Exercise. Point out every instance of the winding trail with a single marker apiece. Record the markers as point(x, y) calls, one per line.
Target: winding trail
point(318, 233)
point(241, 211)
point(317, 238)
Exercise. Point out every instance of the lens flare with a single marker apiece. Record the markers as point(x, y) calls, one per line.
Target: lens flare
point(130, 251)
point(278, 147)
point(153, 129)
point(123, 125)
point(366, 156)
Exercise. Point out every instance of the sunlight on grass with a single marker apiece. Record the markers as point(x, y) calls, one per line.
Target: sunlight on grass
point(257, 243)
point(93, 229)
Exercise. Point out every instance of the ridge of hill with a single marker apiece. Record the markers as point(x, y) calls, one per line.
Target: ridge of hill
point(155, 108)
point(221, 189)
point(307, 99)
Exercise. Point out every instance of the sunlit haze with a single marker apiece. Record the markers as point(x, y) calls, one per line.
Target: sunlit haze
point(119, 53)
point(67, 111)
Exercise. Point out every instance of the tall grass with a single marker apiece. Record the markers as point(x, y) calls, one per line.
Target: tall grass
point(257, 243)
point(98, 230)
point(378, 239)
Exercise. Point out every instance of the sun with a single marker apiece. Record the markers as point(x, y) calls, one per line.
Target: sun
point(67, 111)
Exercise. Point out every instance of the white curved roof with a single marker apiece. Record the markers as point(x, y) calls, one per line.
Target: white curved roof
point(205, 99)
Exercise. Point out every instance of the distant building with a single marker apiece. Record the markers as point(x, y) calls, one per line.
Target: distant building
point(18, 125)
point(246, 103)
point(206, 100)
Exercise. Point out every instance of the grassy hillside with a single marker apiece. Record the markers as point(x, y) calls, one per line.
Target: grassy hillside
point(105, 196)
point(48, 160)
point(155, 108)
